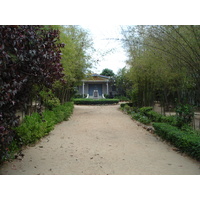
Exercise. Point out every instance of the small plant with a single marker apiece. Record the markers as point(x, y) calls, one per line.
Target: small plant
point(185, 114)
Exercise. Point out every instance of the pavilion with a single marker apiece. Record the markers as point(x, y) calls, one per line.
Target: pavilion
point(96, 86)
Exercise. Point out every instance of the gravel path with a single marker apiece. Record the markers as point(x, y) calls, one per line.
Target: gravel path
point(101, 140)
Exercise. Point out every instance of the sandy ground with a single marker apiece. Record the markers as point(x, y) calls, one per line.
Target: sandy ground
point(101, 140)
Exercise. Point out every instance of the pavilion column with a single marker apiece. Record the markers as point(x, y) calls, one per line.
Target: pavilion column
point(83, 89)
point(107, 87)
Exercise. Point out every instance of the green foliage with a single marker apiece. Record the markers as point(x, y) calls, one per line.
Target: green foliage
point(36, 126)
point(63, 112)
point(164, 63)
point(185, 114)
point(140, 117)
point(95, 101)
point(144, 110)
point(134, 94)
point(29, 57)
point(76, 59)
point(147, 115)
point(186, 139)
point(154, 116)
point(127, 108)
point(49, 100)
point(32, 128)
point(186, 142)
point(68, 110)
point(50, 118)
point(78, 96)
point(172, 120)
point(59, 114)
point(122, 105)
point(187, 128)
point(107, 72)
point(121, 98)
point(123, 84)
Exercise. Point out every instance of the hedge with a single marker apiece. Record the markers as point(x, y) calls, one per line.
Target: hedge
point(95, 101)
point(186, 142)
point(36, 126)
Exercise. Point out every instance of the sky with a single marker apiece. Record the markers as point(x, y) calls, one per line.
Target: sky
point(105, 40)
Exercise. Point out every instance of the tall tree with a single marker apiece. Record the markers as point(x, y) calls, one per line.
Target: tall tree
point(164, 62)
point(107, 72)
point(76, 59)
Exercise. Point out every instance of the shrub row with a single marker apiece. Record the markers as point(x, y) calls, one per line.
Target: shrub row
point(156, 117)
point(95, 101)
point(186, 139)
point(186, 142)
point(146, 115)
point(38, 125)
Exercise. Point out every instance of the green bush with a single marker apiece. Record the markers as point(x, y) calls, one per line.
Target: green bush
point(156, 117)
point(186, 142)
point(122, 98)
point(36, 126)
point(187, 128)
point(49, 100)
point(144, 110)
point(67, 108)
point(95, 101)
point(122, 105)
point(32, 128)
point(141, 118)
point(63, 112)
point(185, 114)
point(172, 120)
point(49, 117)
point(127, 109)
point(59, 114)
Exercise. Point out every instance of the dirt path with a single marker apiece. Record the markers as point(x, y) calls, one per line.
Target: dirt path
point(101, 140)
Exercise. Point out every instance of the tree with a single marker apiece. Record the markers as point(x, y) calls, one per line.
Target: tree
point(76, 59)
point(107, 72)
point(164, 62)
point(29, 60)
point(123, 84)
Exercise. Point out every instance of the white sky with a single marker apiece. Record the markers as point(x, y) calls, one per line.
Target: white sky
point(104, 36)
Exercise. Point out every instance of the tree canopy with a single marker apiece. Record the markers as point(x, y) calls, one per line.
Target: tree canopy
point(107, 72)
point(164, 63)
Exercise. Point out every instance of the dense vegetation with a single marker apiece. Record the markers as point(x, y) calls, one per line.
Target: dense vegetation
point(174, 129)
point(163, 64)
point(163, 67)
point(36, 126)
point(40, 66)
point(76, 60)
